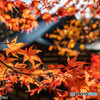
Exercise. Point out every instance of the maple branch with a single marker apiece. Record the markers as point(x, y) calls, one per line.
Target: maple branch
point(17, 11)
point(36, 80)
point(13, 68)
point(7, 43)
point(17, 71)
point(5, 71)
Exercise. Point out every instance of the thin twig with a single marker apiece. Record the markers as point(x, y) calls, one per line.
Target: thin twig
point(7, 43)
point(17, 11)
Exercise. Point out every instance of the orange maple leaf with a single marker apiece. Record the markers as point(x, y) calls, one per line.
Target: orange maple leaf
point(7, 60)
point(74, 63)
point(78, 83)
point(13, 46)
point(30, 55)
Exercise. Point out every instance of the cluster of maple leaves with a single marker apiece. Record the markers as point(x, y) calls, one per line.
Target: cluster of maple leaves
point(95, 59)
point(74, 76)
point(19, 16)
point(75, 33)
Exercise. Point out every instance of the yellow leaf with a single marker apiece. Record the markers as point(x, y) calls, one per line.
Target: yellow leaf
point(13, 46)
point(82, 47)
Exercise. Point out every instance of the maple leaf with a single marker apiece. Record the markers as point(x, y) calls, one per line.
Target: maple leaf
point(58, 98)
point(29, 24)
point(47, 17)
point(8, 87)
point(32, 91)
point(36, 65)
point(61, 12)
point(38, 72)
point(37, 89)
point(34, 24)
point(20, 65)
point(10, 6)
point(35, 3)
point(51, 66)
point(26, 13)
point(69, 51)
point(12, 78)
point(37, 12)
point(73, 62)
point(6, 60)
point(21, 5)
point(30, 55)
point(78, 83)
point(95, 66)
point(13, 46)
point(26, 80)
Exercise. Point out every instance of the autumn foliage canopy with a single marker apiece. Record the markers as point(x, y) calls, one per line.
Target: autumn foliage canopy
point(74, 76)
point(18, 15)
point(75, 33)
point(77, 76)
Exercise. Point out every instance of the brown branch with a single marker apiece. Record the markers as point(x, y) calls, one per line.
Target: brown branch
point(17, 11)
point(17, 71)
point(14, 68)
point(7, 43)
point(19, 68)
